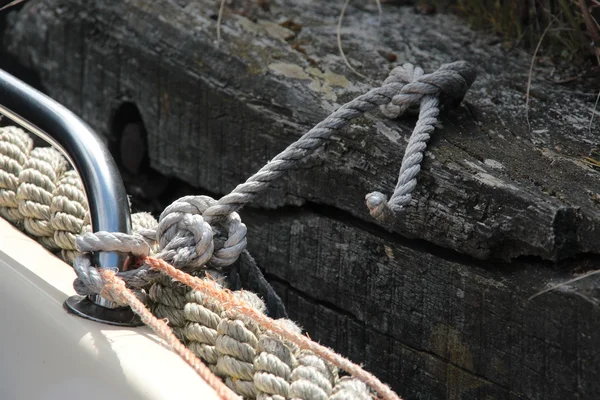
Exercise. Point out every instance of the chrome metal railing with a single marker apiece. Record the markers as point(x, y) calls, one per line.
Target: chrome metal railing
point(107, 199)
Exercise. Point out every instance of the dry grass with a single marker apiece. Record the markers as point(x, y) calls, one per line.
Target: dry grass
point(339, 38)
point(565, 32)
point(575, 33)
point(564, 285)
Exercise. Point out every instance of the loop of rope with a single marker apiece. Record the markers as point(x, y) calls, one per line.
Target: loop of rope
point(382, 208)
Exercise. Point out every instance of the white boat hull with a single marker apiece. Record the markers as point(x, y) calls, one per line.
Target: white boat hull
point(46, 353)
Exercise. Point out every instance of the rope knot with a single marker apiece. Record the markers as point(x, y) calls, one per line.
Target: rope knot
point(416, 91)
point(449, 83)
point(90, 280)
point(189, 240)
point(186, 238)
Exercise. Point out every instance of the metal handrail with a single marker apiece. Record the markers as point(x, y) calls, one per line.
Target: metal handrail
point(106, 195)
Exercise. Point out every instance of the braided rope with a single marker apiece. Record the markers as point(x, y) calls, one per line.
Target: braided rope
point(69, 211)
point(37, 182)
point(350, 389)
point(313, 378)
point(345, 389)
point(253, 362)
point(15, 146)
point(248, 313)
point(234, 354)
point(236, 344)
point(115, 289)
point(203, 316)
point(273, 366)
point(168, 302)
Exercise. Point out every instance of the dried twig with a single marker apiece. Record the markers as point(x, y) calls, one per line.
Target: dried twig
point(339, 40)
point(537, 48)
point(586, 275)
point(220, 19)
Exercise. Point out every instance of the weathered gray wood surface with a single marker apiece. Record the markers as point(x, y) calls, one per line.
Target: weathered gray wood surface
point(434, 326)
point(434, 303)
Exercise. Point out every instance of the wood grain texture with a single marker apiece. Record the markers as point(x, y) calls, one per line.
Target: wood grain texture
point(433, 326)
point(435, 303)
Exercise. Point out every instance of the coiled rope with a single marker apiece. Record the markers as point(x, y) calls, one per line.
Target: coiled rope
point(256, 356)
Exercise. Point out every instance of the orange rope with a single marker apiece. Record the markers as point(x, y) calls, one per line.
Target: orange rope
point(225, 296)
point(115, 286)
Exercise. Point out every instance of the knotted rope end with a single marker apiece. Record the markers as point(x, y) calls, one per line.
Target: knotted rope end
point(449, 83)
point(455, 86)
point(379, 208)
point(464, 68)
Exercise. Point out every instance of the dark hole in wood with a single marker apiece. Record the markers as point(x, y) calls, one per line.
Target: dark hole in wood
point(128, 142)
point(129, 146)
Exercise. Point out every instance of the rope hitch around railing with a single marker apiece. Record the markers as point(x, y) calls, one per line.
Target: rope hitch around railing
point(100, 176)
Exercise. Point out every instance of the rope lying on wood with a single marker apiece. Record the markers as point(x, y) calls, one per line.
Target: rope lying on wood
point(255, 355)
point(406, 89)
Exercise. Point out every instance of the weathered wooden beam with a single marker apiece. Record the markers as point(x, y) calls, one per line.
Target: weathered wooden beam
point(216, 112)
point(433, 326)
point(436, 302)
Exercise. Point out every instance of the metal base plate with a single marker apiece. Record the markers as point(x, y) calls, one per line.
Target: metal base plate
point(84, 307)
